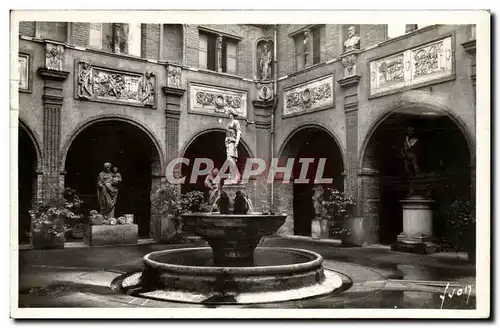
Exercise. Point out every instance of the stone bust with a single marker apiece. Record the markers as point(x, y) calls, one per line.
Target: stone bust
point(352, 42)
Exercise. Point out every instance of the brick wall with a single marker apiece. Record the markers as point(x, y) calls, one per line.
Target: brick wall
point(80, 34)
point(332, 43)
point(27, 28)
point(150, 41)
point(372, 34)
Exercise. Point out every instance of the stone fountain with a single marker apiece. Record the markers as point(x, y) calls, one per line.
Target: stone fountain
point(233, 270)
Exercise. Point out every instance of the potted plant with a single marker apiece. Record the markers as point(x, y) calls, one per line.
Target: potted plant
point(75, 220)
point(337, 208)
point(50, 222)
point(168, 204)
point(462, 222)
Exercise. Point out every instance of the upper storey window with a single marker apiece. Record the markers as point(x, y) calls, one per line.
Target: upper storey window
point(395, 30)
point(307, 47)
point(116, 37)
point(57, 31)
point(217, 52)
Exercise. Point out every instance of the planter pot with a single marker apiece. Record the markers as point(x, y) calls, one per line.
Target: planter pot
point(101, 235)
point(47, 241)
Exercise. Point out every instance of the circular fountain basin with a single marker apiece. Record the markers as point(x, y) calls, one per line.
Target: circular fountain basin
point(189, 275)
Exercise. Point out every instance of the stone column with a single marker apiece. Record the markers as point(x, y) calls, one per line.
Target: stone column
point(54, 77)
point(163, 228)
point(262, 110)
point(349, 82)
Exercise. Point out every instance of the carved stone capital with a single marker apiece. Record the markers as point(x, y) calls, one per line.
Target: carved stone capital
point(172, 114)
point(54, 56)
point(174, 74)
point(264, 104)
point(265, 91)
point(173, 91)
point(470, 46)
point(349, 81)
point(50, 74)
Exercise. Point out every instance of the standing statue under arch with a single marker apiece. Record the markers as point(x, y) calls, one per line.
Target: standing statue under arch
point(107, 190)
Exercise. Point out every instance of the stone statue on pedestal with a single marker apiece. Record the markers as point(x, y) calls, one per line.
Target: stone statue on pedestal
point(233, 135)
point(317, 200)
point(107, 190)
point(410, 156)
point(352, 41)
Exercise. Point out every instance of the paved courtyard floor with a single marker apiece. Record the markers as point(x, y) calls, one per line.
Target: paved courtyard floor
point(380, 278)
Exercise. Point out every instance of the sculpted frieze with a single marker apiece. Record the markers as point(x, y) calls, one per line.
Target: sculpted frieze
point(211, 99)
point(414, 66)
point(98, 83)
point(309, 96)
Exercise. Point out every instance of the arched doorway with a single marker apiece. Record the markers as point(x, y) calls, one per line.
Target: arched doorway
point(125, 146)
point(443, 158)
point(27, 164)
point(211, 145)
point(315, 143)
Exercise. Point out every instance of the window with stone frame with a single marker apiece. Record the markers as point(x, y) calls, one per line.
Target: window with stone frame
point(315, 35)
point(24, 72)
point(299, 51)
point(207, 52)
point(116, 37)
point(229, 53)
point(315, 43)
point(57, 31)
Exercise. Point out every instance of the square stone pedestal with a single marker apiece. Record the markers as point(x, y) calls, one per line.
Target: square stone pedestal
point(417, 227)
point(100, 235)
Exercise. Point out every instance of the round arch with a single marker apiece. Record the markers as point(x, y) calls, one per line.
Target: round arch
point(29, 162)
point(317, 142)
point(34, 141)
point(406, 106)
point(319, 126)
point(130, 146)
point(445, 174)
point(202, 132)
point(120, 118)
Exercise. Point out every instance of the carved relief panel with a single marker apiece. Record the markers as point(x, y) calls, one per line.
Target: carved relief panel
point(211, 99)
point(102, 84)
point(309, 96)
point(412, 67)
